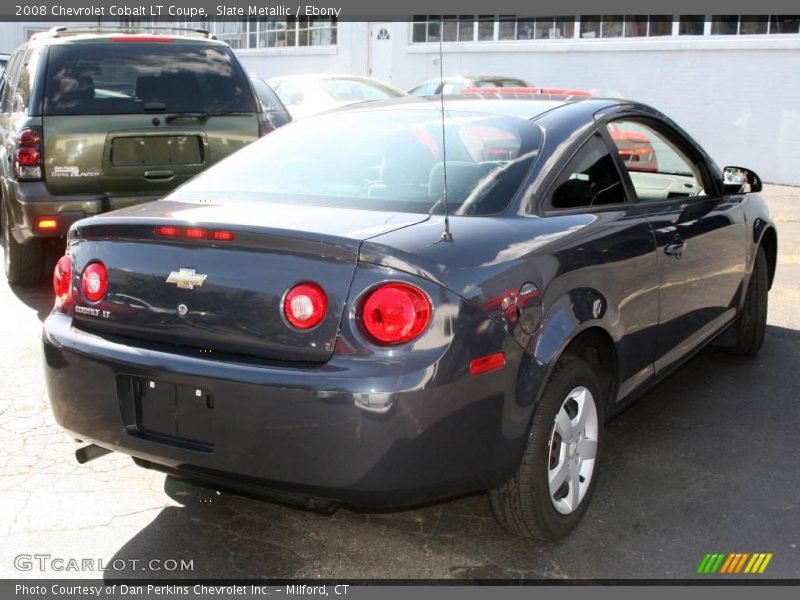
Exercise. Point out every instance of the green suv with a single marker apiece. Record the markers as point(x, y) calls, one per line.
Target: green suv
point(96, 119)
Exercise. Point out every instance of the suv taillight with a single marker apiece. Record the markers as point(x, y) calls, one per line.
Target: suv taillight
point(265, 127)
point(28, 155)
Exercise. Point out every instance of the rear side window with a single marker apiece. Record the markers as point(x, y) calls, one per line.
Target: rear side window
point(137, 77)
point(589, 179)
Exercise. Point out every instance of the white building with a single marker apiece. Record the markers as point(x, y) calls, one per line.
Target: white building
point(733, 83)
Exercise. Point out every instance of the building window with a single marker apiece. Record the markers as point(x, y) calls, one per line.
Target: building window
point(487, 28)
point(629, 26)
point(258, 33)
point(784, 24)
point(724, 25)
point(740, 25)
point(691, 25)
point(508, 28)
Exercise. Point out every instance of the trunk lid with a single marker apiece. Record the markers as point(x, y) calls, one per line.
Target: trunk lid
point(237, 307)
point(127, 155)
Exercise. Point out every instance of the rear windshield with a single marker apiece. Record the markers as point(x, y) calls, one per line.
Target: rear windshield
point(354, 90)
point(490, 83)
point(137, 77)
point(384, 159)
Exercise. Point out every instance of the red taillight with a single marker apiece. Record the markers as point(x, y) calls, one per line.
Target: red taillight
point(264, 128)
point(62, 279)
point(304, 306)
point(195, 233)
point(396, 313)
point(94, 281)
point(28, 155)
point(488, 363)
point(30, 138)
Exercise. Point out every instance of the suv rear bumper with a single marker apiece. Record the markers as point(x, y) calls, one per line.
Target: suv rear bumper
point(30, 200)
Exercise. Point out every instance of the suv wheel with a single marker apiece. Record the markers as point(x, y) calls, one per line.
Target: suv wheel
point(749, 329)
point(23, 263)
point(549, 493)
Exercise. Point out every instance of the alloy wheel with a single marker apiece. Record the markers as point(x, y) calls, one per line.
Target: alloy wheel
point(573, 448)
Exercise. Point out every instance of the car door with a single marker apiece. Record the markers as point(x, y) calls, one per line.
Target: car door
point(700, 235)
point(609, 262)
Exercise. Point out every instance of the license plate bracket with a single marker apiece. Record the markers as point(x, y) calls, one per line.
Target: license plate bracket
point(182, 412)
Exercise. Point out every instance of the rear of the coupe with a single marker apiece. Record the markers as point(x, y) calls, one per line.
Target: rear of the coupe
point(185, 346)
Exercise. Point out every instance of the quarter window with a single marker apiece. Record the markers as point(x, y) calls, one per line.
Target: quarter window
point(657, 167)
point(589, 179)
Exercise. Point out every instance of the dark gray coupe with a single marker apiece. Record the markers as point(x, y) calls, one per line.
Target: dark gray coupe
point(352, 311)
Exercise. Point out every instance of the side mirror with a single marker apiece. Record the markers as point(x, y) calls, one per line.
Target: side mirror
point(738, 180)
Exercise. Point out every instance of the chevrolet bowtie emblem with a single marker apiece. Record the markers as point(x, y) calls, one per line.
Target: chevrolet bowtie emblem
point(186, 278)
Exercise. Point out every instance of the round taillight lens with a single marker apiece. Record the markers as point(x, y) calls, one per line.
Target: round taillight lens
point(94, 281)
point(62, 278)
point(396, 313)
point(28, 157)
point(305, 305)
point(30, 138)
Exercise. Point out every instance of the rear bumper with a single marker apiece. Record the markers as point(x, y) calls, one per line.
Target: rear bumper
point(336, 433)
point(32, 199)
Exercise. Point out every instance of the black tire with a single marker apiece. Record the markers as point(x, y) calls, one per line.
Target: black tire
point(751, 326)
point(523, 504)
point(24, 263)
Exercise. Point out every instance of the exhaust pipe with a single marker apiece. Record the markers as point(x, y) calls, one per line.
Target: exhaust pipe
point(90, 452)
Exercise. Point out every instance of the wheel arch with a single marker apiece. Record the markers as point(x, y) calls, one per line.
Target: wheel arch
point(769, 241)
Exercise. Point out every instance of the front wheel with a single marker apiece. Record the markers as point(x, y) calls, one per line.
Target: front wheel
point(548, 495)
point(751, 326)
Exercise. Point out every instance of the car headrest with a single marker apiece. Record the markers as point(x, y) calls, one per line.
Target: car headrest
point(573, 193)
point(406, 162)
point(462, 177)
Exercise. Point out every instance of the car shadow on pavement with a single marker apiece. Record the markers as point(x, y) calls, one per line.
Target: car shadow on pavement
point(684, 471)
point(38, 297)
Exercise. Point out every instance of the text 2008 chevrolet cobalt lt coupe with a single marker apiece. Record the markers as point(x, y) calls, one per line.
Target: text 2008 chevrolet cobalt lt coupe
point(304, 321)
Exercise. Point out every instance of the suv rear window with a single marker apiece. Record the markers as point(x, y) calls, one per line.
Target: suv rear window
point(129, 78)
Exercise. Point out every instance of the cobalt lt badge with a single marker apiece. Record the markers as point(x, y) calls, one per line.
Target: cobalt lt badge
point(186, 279)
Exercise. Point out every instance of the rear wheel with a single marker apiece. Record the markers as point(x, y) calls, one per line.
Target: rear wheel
point(548, 495)
point(24, 263)
point(751, 326)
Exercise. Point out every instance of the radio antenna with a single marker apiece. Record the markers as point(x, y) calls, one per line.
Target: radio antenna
point(446, 235)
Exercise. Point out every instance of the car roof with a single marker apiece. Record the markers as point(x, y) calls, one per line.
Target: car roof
point(326, 76)
point(77, 35)
point(522, 108)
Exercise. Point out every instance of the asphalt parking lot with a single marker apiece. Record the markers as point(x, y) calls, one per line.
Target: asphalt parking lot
point(708, 462)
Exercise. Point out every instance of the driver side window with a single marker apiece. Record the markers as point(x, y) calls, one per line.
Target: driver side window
point(589, 179)
point(658, 169)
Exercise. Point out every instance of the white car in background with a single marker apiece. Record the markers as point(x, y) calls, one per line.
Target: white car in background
point(305, 95)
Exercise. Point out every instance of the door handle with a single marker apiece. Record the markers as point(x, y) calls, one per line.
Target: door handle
point(675, 248)
point(159, 174)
